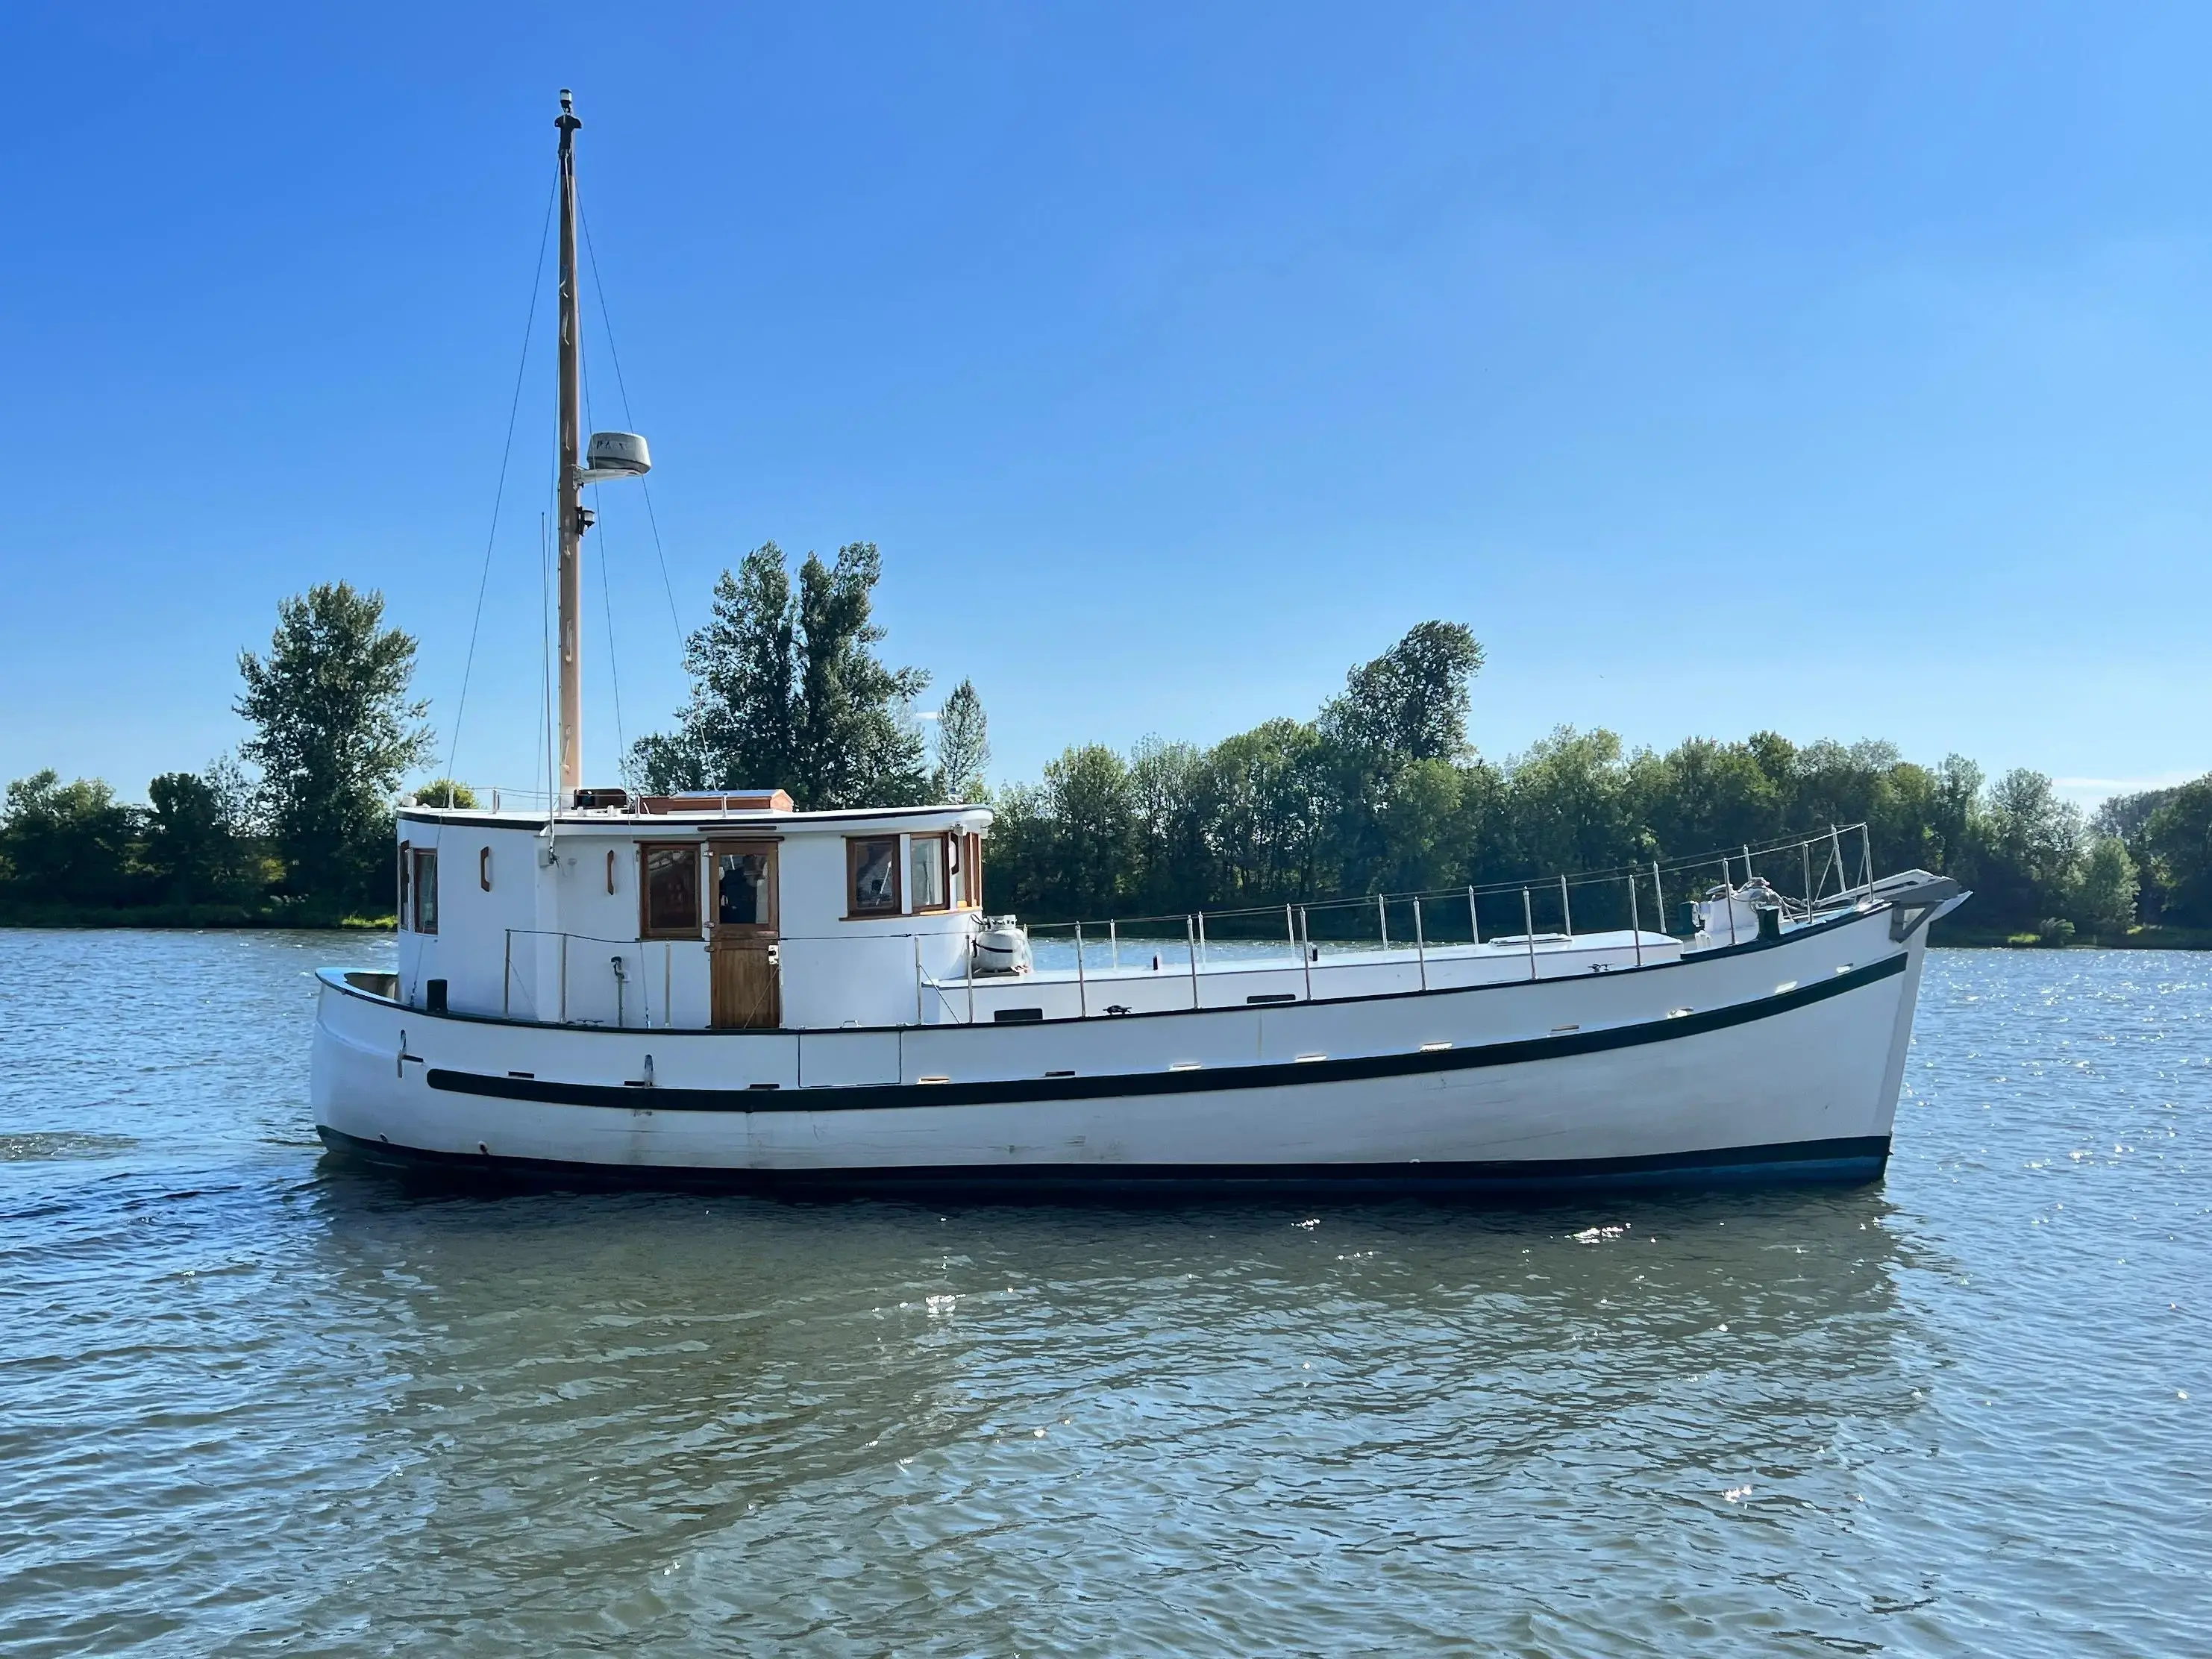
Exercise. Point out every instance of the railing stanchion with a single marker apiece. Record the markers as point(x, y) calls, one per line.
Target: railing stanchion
point(1383, 920)
point(1190, 943)
point(1566, 912)
point(507, 976)
point(1805, 857)
point(1635, 921)
point(1202, 935)
point(1114, 944)
point(1082, 991)
point(1866, 860)
point(1291, 929)
point(1420, 943)
point(1728, 895)
point(1305, 950)
point(1473, 921)
point(971, 975)
point(1836, 846)
point(564, 979)
point(1528, 930)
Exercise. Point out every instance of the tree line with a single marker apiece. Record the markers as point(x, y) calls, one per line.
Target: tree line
point(1380, 790)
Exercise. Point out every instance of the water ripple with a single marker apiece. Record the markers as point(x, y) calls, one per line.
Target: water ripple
point(249, 1402)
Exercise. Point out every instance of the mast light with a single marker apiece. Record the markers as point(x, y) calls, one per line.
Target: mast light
point(615, 455)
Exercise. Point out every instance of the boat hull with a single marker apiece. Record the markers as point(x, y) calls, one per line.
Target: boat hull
point(1772, 1062)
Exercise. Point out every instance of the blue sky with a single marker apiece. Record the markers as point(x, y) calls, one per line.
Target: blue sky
point(1840, 370)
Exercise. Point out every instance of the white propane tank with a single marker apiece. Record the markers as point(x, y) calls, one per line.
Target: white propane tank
point(1001, 946)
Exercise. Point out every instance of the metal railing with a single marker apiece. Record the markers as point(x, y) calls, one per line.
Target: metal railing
point(1802, 875)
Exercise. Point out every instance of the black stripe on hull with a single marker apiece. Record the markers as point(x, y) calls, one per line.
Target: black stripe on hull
point(1858, 1159)
point(1120, 1086)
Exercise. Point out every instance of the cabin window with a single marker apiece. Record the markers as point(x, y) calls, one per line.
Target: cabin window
point(742, 894)
point(671, 892)
point(926, 872)
point(425, 882)
point(871, 867)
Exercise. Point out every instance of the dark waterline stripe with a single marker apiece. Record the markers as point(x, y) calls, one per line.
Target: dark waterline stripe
point(1856, 1158)
point(1023, 1091)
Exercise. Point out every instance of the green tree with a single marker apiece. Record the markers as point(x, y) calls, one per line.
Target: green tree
point(198, 847)
point(2178, 838)
point(787, 691)
point(447, 792)
point(2030, 850)
point(67, 843)
point(2104, 898)
point(333, 733)
point(963, 746)
point(1088, 798)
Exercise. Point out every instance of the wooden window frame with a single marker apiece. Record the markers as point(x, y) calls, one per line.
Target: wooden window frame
point(700, 868)
point(710, 890)
point(945, 839)
point(897, 907)
point(971, 868)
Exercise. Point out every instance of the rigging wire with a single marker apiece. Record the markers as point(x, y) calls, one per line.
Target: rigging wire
point(606, 323)
point(499, 495)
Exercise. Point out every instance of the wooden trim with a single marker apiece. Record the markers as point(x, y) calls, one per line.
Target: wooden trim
point(974, 861)
point(696, 851)
point(898, 906)
point(770, 927)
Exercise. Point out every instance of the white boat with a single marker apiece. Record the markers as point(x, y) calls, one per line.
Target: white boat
point(718, 989)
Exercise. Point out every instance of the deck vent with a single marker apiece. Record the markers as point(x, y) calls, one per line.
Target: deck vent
point(1017, 1016)
point(1561, 1030)
point(933, 1077)
point(1273, 996)
point(1060, 1074)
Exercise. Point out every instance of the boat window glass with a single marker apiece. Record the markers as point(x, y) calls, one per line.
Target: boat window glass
point(741, 891)
point(872, 862)
point(927, 880)
point(426, 893)
point(671, 892)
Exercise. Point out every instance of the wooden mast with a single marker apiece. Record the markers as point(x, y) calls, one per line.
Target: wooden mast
point(574, 519)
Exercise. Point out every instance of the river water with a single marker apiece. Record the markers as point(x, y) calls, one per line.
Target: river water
point(249, 1400)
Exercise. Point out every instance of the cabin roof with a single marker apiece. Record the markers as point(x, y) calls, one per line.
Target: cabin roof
point(648, 826)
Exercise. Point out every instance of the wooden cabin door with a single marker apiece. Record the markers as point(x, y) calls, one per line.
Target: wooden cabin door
point(747, 990)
